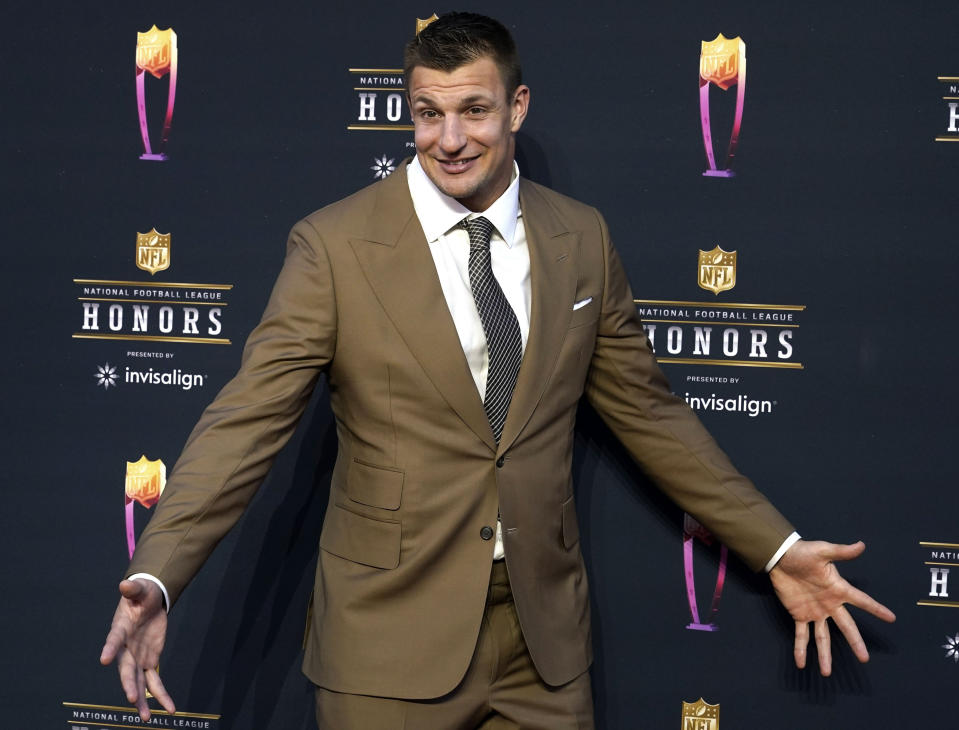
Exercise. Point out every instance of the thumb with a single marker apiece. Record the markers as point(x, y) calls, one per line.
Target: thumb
point(844, 552)
point(134, 590)
point(144, 592)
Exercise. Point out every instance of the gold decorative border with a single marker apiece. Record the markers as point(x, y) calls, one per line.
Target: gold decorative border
point(739, 363)
point(152, 301)
point(380, 127)
point(730, 322)
point(130, 726)
point(155, 338)
point(741, 305)
point(154, 284)
point(195, 715)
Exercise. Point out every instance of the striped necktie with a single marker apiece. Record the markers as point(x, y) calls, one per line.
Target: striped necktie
point(503, 341)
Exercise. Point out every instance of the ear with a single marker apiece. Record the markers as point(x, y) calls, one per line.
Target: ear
point(519, 106)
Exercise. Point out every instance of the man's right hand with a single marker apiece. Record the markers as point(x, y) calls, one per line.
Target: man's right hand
point(135, 640)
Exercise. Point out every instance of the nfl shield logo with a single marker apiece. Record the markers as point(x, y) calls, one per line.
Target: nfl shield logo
point(719, 61)
point(717, 270)
point(700, 715)
point(145, 481)
point(155, 51)
point(153, 251)
point(420, 23)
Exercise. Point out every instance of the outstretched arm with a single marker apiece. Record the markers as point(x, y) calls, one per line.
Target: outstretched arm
point(135, 640)
point(810, 587)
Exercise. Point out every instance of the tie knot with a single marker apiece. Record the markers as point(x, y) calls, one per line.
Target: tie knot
point(480, 230)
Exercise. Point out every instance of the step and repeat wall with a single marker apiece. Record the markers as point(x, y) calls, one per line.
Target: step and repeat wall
point(788, 233)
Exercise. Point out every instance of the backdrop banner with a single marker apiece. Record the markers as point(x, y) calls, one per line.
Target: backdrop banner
point(788, 241)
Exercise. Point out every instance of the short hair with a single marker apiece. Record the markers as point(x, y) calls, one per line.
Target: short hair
point(457, 39)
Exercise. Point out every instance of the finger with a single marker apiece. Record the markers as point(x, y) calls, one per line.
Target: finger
point(113, 643)
point(847, 625)
point(801, 643)
point(128, 676)
point(141, 703)
point(823, 647)
point(860, 599)
point(116, 636)
point(155, 685)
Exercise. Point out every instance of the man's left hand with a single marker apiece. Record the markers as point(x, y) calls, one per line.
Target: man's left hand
point(809, 586)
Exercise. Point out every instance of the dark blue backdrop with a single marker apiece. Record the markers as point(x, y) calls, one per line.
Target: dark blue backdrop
point(842, 204)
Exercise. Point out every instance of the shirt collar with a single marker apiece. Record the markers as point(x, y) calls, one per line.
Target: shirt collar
point(438, 212)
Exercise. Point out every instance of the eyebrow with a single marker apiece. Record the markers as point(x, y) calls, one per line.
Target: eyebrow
point(477, 98)
point(425, 98)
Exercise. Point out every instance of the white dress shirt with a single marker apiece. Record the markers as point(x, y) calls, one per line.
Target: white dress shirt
point(440, 217)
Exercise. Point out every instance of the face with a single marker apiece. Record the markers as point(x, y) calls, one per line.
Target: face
point(464, 125)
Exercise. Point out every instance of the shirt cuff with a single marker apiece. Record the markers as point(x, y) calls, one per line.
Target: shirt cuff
point(790, 541)
point(154, 579)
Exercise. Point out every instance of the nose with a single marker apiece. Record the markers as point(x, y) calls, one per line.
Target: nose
point(453, 137)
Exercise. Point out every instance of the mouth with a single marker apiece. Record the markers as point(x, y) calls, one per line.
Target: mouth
point(456, 167)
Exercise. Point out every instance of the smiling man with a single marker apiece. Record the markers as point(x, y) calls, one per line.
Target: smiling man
point(459, 313)
point(465, 122)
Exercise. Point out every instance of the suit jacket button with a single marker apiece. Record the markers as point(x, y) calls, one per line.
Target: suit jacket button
point(487, 532)
point(500, 461)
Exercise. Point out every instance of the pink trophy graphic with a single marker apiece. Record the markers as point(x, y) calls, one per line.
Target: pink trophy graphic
point(156, 55)
point(691, 530)
point(722, 62)
point(144, 483)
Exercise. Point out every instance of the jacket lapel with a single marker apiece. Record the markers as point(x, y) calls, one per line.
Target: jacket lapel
point(552, 253)
point(395, 258)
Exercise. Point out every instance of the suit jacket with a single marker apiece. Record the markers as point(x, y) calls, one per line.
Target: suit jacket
point(403, 566)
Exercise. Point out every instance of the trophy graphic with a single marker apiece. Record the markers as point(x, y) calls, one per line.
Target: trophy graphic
point(691, 530)
point(421, 23)
point(156, 55)
point(144, 483)
point(722, 61)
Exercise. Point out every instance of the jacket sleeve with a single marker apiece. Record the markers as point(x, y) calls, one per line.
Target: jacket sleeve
point(233, 445)
point(664, 436)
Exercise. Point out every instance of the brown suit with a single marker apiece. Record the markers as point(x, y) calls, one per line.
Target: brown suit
point(403, 569)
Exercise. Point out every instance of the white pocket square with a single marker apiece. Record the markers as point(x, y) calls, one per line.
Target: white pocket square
point(582, 303)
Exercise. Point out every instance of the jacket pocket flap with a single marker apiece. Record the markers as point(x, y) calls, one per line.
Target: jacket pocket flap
point(361, 539)
point(374, 486)
point(570, 525)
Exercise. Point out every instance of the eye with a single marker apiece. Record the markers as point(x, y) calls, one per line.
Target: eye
point(476, 111)
point(428, 114)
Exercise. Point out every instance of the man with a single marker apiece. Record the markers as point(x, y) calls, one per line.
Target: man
point(459, 313)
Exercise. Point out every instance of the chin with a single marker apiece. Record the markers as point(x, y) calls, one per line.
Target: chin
point(459, 191)
point(456, 189)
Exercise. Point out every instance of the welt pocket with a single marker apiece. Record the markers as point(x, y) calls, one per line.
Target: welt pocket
point(361, 539)
point(586, 314)
point(375, 486)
